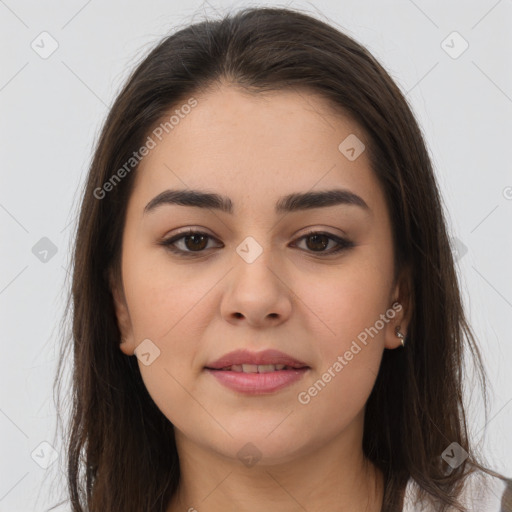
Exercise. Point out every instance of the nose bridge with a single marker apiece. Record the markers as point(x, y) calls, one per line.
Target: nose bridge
point(255, 290)
point(255, 234)
point(254, 260)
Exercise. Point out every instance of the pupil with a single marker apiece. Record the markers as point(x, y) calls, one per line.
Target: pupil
point(194, 237)
point(322, 245)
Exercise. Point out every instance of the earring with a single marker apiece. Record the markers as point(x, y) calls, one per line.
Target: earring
point(400, 335)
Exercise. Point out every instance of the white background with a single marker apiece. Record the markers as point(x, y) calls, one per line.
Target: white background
point(51, 113)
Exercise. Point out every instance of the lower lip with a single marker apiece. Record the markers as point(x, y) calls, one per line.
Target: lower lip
point(257, 383)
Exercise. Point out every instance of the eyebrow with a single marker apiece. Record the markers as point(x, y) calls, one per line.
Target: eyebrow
point(290, 203)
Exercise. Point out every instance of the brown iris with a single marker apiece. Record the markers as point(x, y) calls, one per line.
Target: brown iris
point(196, 238)
point(317, 244)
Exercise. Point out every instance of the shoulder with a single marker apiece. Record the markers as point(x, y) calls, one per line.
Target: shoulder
point(481, 493)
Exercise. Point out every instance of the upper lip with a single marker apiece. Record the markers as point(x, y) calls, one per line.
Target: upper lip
point(259, 358)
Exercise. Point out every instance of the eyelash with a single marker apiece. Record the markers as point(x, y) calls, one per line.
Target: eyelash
point(168, 244)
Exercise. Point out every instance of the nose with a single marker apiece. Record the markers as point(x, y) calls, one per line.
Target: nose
point(257, 293)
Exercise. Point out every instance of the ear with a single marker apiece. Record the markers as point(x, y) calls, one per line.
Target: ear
point(127, 341)
point(401, 305)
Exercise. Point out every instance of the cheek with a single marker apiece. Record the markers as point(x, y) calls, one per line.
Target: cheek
point(349, 345)
point(347, 303)
point(350, 333)
point(161, 295)
point(168, 305)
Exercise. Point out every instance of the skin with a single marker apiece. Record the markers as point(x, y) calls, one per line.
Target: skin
point(254, 149)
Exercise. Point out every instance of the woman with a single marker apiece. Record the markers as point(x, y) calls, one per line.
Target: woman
point(266, 314)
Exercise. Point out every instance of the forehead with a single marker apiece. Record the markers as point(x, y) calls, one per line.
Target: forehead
point(255, 148)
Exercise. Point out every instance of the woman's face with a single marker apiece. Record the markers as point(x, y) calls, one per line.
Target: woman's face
point(255, 281)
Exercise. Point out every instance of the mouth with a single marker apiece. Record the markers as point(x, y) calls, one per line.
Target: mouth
point(257, 373)
point(266, 361)
point(259, 368)
point(249, 379)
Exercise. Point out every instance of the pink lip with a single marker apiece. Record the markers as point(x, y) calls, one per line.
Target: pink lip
point(258, 383)
point(247, 357)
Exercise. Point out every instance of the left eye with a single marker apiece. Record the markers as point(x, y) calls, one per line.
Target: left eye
point(196, 242)
point(321, 240)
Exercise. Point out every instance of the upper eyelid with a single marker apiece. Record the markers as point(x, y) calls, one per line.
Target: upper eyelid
point(190, 232)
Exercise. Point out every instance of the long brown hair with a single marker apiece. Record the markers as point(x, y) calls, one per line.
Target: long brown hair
point(121, 453)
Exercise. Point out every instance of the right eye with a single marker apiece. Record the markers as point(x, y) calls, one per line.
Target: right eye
point(192, 242)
